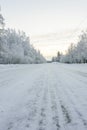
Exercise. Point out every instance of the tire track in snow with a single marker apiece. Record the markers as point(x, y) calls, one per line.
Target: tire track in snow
point(76, 108)
point(66, 102)
point(75, 100)
point(44, 114)
point(31, 106)
point(64, 115)
point(43, 119)
point(65, 99)
point(40, 121)
point(51, 104)
point(54, 108)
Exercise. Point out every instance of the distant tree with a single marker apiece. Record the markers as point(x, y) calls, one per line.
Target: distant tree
point(58, 56)
point(53, 59)
point(1, 22)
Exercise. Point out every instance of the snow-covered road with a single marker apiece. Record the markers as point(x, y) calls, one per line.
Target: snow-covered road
point(43, 97)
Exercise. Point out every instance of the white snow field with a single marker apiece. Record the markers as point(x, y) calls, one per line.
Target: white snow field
point(43, 97)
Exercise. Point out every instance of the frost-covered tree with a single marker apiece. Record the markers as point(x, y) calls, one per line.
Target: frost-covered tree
point(15, 48)
point(81, 49)
point(70, 54)
point(78, 53)
point(75, 53)
point(1, 32)
point(57, 58)
point(1, 22)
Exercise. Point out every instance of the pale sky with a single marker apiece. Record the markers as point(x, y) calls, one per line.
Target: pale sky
point(51, 24)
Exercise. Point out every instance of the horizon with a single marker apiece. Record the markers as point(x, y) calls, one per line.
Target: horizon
point(51, 25)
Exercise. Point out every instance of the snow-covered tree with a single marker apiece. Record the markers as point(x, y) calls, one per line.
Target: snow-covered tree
point(75, 53)
point(1, 22)
point(16, 48)
point(82, 48)
point(78, 53)
point(57, 58)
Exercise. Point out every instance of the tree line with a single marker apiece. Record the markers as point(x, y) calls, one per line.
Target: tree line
point(15, 47)
point(75, 53)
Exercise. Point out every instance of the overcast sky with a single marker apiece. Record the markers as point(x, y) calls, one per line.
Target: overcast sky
point(51, 24)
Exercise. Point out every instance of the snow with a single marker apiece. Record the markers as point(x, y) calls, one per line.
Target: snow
point(43, 97)
point(15, 48)
point(76, 53)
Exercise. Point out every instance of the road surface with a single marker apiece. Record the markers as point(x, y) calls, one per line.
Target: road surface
point(43, 97)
